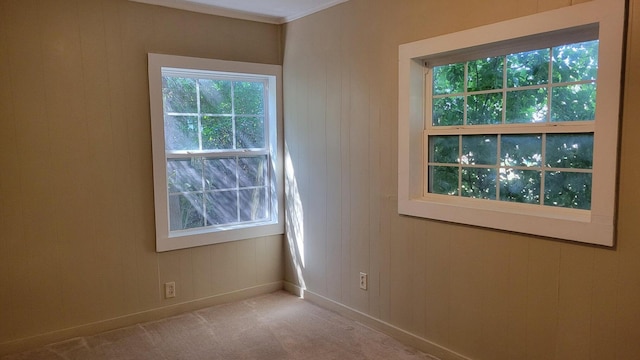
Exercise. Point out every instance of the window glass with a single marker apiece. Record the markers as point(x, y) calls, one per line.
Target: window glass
point(485, 74)
point(448, 111)
point(479, 150)
point(522, 186)
point(573, 103)
point(484, 109)
point(575, 62)
point(527, 106)
point(521, 150)
point(444, 180)
point(569, 151)
point(215, 96)
point(217, 132)
point(479, 183)
point(567, 189)
point(204, 114)
point(494, 166)
point(179, 95)
point(528, 68)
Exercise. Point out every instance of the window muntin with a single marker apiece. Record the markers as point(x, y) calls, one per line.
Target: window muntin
point(216, 150)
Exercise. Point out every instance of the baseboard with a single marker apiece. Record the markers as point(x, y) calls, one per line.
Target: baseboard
point(403, 336)
point(136, 318)
point(293, 288)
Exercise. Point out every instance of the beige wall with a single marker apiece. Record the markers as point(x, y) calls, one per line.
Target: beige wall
point(76, 192)
point(76, 197)
point(481, 293)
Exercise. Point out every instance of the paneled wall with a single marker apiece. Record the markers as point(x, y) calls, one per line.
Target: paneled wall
point(480, 293)
point(77, 241)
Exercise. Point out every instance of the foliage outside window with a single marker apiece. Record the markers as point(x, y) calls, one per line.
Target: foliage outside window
point(514, 125)
point(215, 141)
point(542, 86)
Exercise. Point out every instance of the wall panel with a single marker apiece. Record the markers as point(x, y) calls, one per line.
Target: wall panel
point(76, 194)
point(480, 293)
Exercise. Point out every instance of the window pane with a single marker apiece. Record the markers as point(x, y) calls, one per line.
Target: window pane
point(573, 103)
point(444, 149)
point(448, 111)
point(181, 133)
point(485, 74)
point(179, 95)
point(185, 211)
point(443, 180)
point(248, 98)
point(184, 175)
point(479, 150)
point(250, 132)
point(521, 150)
point(527, 106)
point(570, 151)
point(566, 189)
point(220, 173)
point(528, 68)
point(521, 186)
point(222, 207)
point(217, 132)
point(215, 96)
point(448, 79)
point(252, 171)
point(484, 109)
point(479, 183)
point(254, 204)
point(575, 62)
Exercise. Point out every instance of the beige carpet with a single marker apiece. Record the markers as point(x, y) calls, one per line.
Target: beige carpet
point(270, 327)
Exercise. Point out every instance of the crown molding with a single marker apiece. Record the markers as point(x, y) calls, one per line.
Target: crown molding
point(236, 14)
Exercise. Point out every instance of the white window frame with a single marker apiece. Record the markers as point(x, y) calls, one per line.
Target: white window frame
point(171, 240)
point(594, 226)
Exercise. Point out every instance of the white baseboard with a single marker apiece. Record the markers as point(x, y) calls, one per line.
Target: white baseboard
point(136, 318)
point(293, 288)
point(403, 336)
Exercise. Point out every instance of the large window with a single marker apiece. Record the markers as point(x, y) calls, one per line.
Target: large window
point(506, 159)
point(517, 131)
point(215, 142)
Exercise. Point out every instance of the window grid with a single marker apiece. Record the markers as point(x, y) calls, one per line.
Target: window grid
point(504, 90)
point(499, 165)
point(234, 153)
point(541, 128)
point(204, 192)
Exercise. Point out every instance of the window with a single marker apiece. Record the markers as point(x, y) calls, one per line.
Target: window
point(217, 171)
point(501, 160)
point(517, 131)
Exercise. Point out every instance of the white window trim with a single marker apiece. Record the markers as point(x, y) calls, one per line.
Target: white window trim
point(166, 241)
point(595, 226)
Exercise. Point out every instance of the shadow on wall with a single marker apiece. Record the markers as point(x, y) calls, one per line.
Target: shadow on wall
point(294, 213)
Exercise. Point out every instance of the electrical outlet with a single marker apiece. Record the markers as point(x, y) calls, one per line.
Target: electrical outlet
point(363, 281)
point(170, 290)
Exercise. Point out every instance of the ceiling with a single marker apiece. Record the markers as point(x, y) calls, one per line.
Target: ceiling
point(269, 11)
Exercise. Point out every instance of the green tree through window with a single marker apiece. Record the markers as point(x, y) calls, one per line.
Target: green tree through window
point(549, 85)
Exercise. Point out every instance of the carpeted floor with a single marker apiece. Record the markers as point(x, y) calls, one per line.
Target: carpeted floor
point(277, 326)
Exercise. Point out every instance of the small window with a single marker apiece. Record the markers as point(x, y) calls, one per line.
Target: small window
point(517, 131)
point(215, 143)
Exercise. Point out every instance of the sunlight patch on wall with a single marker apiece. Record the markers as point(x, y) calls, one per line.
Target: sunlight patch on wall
point(294, 219)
